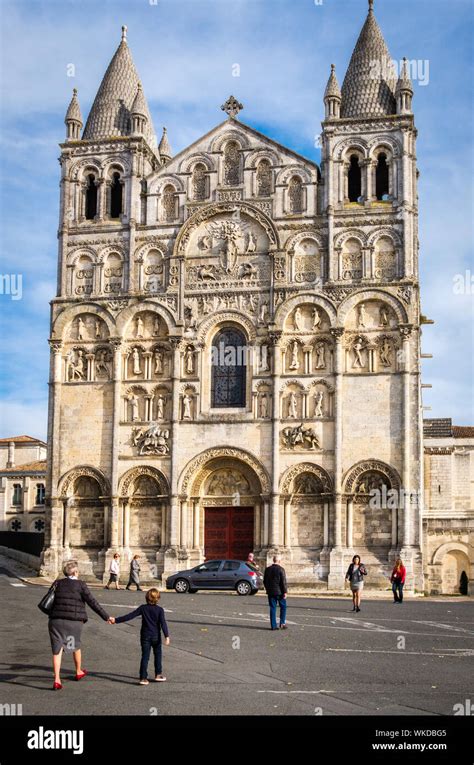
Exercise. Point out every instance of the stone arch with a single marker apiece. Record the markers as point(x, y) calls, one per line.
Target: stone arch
point(212, 324)
point(74, 255)
point(194, 475)
point(112, 165)
point(127, 480)
point(372, 294)
point(354, 473)
point(67, 481)
point(284, 309)
point(189, 162)
point(229, 135)
point(384, 143)
point(127, 315)
point(347, 146)
point(172, 179)
point(210, 210)
point(448, 547)
point(384, 232)
point(295, 239)
point(306, 175)
point(356, 234)
point(292, 473)
point(254, 157)
point(83, 167)
point(67, 316)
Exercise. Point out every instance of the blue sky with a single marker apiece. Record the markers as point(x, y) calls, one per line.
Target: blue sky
point(185, 51)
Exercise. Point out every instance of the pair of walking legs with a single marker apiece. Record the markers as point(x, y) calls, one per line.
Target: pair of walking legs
point(397, 589)
point(57, 658)
point(147, 645)
point(356, 599)
point(273, 603)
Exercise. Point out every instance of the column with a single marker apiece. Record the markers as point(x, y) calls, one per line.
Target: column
point(174, 524)
point(106, 526)
point(350, 522)
point(257, 534)
point(116, 417)
point(336, 558)
point(394, 528)
point(196, 523)
point(326, 524)
point(275, 507)
point(126, 524)
point(65, 523)
point(407, 520)
point(164, 512)
point(287, 526)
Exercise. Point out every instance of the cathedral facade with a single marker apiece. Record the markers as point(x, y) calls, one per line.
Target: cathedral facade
point(235, 341)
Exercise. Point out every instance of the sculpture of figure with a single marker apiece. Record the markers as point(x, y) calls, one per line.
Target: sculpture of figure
point(189, 359)
point(136, 362)
point(187, 401)
point(134, 407)
point(160, 407)
point(297, 319)
point(264, 405)
point(81, 328)
point(362, 315)
point(358, 347)
point(151, 440)
point(101, 366)
point(292, 406)
point(252, 302)
point(300, 436)
point(98, 332)
point(386, 353)
point(319, 398)
point(76, 365)
point(316, 318)
point(263, 359)
point(263, 311)
point(158, 363)
point(383, 316)
point(229, 254)
point(295, 364)
point(139, 332)
point(156, 327)
point(206, 272)
point(247, 271)
point(252, 243)
point(320, 356)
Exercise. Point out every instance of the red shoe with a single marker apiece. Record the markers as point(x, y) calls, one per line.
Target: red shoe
point(83, 674)
point(57, 687)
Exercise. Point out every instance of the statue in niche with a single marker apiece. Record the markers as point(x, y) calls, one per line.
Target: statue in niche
point(362, 315)
point(316, 318)
point(189, 360)
point(98, 330)
point(320, 356)
point(370, 482)
point(156, 327)
point(152, 440)
point(101, 365)
point(77, 364)
point(252, 242)
point(358, 348)
point(187, 403)
point(264, 405)
point(136, 362)
point(384, 316)
point(263, 359)
point(134, 407)
point(81, 329)
point(292, 406)
point(140, 327)
point(263, 311)
point(160, 407)
point(307, 484)
point(294, 364)
point(318, 409)
point(386, 353)
point(297, 320)
point(229, 252)
point(158, 355)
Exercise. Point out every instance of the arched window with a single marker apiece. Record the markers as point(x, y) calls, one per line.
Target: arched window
point(228, 369)
point(354, 180)
point(232, 164)
point(264, 178)
point(116, 195)
point(91, 198)
point(198, 182)
point(295, 195)
point(381, 177)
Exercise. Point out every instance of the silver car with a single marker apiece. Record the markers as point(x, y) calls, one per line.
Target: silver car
point(238, 575)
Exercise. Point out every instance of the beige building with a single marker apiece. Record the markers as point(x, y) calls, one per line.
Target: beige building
point(22, 484)
point(448, 516)
point(235, 341)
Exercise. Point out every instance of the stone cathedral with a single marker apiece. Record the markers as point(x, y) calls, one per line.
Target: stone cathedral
point(235, 341)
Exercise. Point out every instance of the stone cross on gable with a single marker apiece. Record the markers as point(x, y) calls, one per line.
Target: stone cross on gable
point(232, 107)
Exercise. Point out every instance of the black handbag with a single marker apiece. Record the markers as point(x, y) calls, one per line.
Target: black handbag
point(46, 604)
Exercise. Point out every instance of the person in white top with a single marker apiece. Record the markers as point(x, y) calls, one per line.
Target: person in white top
point(114, 572)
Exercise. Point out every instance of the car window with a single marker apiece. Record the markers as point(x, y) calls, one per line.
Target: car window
point(251, 566)
point(231, 565)
point(213, 565)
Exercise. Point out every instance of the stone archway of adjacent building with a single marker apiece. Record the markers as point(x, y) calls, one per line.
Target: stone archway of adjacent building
point(452, 558)
point(225, 500)
point(144, 509)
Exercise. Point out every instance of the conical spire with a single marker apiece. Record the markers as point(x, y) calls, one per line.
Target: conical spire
point(404, 81)
point(111, 111)
point(164, 148)
point(73, 118)
point(332, 88)
point(369, 84)
point(139, 105)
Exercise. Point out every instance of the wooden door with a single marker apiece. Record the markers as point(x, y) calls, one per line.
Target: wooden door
point(228, 532)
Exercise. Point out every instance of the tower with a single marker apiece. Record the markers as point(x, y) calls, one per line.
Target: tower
point(370, 198)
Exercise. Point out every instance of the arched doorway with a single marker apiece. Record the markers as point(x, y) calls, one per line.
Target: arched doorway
point(455, 562)
point(226, 498)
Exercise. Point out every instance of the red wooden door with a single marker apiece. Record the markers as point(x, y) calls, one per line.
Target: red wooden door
point(228, 532)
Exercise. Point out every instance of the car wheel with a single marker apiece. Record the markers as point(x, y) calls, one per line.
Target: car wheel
point(254, 592)
point(243, 588)
point(181, 585)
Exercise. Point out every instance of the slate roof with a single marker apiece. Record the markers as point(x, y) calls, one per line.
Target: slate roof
point(164, 148)
point(438, 428)
point(463, 431)
point(111, 110)
point(369, 85)
point(74, 110)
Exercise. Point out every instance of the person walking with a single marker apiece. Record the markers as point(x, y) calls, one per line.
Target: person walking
point(398, 580)
point(134, 577)
point(153, 624)
point(114, 572)
point(355, 576)
point(274, 581)
point(251, 560)
point(67, 618)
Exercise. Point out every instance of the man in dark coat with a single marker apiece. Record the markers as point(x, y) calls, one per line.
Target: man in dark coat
point(274, 580)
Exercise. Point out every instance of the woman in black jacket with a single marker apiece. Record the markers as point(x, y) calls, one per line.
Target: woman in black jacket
point(67, 618)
